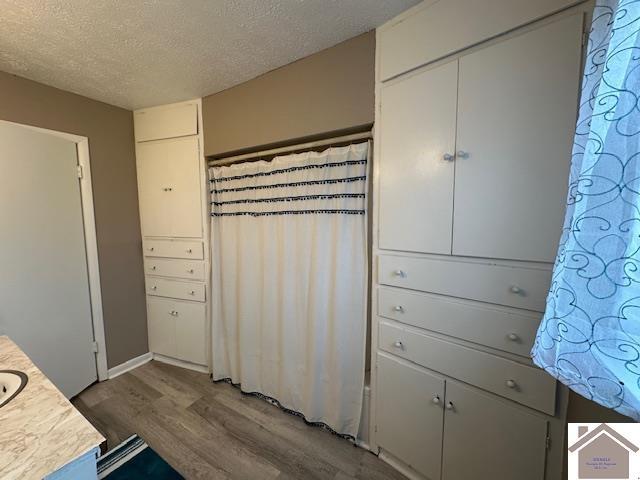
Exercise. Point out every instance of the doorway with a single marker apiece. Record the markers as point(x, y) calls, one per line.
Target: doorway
point(50, 302)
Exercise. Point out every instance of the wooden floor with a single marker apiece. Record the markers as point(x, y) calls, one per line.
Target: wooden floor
point(213, 431)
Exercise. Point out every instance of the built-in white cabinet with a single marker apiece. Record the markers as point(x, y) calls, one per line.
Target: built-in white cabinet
point(417, 141)
point(172, 189)
point(169, 187)
point(475, 111)
point(475, 152)
point(410, 414)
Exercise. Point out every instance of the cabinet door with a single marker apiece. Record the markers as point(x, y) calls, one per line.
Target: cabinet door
point(486, 437)
point(191, 332)
point(162, 326)
point(516, 116)
point(409, 413)
point(169, 188)
point(417, 130)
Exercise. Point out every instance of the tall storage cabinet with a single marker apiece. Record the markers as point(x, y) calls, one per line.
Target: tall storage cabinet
point(172, 193)
point(472, 152)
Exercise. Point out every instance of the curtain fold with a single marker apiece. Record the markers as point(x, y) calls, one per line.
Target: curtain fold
point(589, 337)
point(289, 271)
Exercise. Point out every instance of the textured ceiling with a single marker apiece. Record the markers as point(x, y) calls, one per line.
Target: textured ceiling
point(139, 53)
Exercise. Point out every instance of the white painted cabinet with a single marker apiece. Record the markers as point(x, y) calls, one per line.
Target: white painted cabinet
point(410, 414)
point(485, 437)
point(516, 116)
point(474, 154)
point(169, 187)
point(173, 194)
point(418, 120)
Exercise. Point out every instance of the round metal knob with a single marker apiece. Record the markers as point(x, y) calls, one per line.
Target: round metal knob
point(192, 292)
point(435, 400)
point(449, 406)
point(513, 337)
point(154, 288)
point(511, 384)
point(447, 157)
point(189, 250)
point(153, 268)
point(398, 308)
point(190, 270)
point(515, 289)
point(398, 344)
point(151, 249)
point(462, 154)
point(400, 273)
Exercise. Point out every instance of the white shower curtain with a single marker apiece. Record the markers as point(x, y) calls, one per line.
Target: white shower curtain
point(289, 258)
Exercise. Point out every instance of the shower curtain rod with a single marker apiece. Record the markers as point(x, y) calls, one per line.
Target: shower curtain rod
point(254, 156)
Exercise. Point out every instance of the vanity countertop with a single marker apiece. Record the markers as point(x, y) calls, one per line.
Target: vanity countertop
point(40, 431)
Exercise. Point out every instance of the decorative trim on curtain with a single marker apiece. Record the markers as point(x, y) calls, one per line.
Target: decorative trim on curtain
point(589, 337)
point(289, 268)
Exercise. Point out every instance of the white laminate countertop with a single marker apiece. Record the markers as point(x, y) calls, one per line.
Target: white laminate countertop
point(40, 431)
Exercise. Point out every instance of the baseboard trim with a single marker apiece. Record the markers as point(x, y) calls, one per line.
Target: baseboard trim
point(130, 365)
point(180, 363)
point(400, 466)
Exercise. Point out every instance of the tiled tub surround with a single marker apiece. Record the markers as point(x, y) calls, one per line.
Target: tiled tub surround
point(40, 431)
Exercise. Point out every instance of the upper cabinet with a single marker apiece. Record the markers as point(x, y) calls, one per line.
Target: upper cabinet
point(435, 29)
point(169, 187)
point(171, 121)
point(418, 125)
point(475, 153)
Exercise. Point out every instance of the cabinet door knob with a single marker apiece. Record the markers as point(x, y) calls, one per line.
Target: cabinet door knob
point(399, 345)
point(462, 154)
point(513, 337)
point(450, 406)
point(511, 384)
point(400, 273)
point(515, 289)
point(447, 157)
point(435, 400)
point(398, 308)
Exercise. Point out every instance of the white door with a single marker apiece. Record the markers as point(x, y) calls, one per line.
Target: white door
point(487, 437)
point(516, 116)
point(417, 131)
point(44, 288)
point(409, 415)
point(167, 172)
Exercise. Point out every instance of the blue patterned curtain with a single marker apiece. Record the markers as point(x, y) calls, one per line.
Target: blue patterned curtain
point(589, 337)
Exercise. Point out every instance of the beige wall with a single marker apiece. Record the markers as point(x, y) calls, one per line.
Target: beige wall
point(110, 133)
point(330, 91)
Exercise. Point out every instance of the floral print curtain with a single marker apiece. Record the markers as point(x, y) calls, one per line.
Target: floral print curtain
point(589, 337)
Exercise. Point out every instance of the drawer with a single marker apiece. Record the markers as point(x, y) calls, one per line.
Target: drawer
point(175, 289)
point(190, 269)
point(524, 384)
point(517, 287)
point(495, 327)
point(173, 248)
point(177, 329)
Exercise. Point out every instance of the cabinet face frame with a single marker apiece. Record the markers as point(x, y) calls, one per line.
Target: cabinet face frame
point(556, 424)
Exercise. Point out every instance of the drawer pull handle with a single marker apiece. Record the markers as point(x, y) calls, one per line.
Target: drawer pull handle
point(450, 406)
point(173, 313)
point(513, 337)
point(462, 154)
point(511, 384)
point(189, 250)
point(400, 273)
point(399, 345)
point(398, 308)
point(153, 268)
point(447, 157)
point(516, 289)
point(192, 292)
point(154, 287)
point(190, 270)
point(151, 249)
point(168, 189)
point(435, 400)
